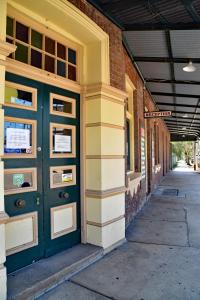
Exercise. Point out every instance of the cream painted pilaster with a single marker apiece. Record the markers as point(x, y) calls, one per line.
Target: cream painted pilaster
point(5, 50)
point(105, 165)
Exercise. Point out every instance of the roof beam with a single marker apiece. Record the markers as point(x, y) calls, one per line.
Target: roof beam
point(158, 80)
point(179, 117)
point(159, 26)
point(184, 112)
point(176, 95)
point(177, 105)
point(165, 59)
point(184, 123)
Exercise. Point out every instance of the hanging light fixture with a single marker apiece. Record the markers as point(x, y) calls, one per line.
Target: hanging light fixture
point(185, 116)
point(189, 67)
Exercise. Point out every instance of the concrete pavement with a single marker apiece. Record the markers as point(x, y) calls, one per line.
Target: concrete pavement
point(161, 259)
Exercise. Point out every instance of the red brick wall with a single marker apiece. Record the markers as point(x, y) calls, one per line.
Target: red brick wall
point(121, 64)
point(117, 67)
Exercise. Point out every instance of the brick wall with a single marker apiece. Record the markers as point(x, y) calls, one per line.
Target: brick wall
point(121, 64)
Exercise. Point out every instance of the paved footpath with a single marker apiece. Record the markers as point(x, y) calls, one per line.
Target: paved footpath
point(161, 259)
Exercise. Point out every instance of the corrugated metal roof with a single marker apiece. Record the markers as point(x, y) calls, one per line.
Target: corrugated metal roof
point(160, 53)
point(160, 87)
point(145, 43)
point(155, 70)
point(185, 43)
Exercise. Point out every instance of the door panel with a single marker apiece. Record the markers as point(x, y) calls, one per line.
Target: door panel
point(56, 199)
point(26, 216)
point(42, 187)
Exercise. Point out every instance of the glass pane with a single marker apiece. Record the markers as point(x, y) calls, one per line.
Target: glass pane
point(49, 64)
point(61, 51)
point(21, 53)
point(17, 137)
point(9, 26)
point(16, 96)
point(49, 45)
point(61, 177)
point(72, 72)
point(61, 68)
point(62, 106)
point(72, 56)
point(36, 39)
point(62, 140)
point(17, 180)
point(21, 32)
point(36, 58)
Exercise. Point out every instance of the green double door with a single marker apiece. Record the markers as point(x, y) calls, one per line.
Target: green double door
point(42, 170)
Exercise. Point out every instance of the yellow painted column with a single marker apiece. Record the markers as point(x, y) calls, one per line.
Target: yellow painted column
point(105, 165)
point(5, 50)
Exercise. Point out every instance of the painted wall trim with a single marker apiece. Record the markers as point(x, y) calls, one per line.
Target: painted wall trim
point(6, 48)
point(105, 193)
point(105, 223)
point(3, 217)
point(105, 156)
point(105, 125)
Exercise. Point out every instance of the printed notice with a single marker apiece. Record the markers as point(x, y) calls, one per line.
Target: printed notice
point(17, 138)
point(62, 143)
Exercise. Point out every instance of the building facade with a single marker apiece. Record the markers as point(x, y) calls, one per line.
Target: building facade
point(78, 159)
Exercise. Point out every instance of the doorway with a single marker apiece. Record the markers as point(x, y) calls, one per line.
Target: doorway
point(42, 170)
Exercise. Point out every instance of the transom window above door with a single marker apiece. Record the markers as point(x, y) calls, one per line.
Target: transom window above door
point(41, 51)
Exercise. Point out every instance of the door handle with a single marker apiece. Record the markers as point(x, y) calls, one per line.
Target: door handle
point(64, 195)
point(20, 203)
point(38, 201)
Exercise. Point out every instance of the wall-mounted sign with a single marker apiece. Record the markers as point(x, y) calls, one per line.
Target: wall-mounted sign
point(17, 138)
point(157, 114)
point(62, 143)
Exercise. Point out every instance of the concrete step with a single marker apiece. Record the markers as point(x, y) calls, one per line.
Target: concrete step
point(33, 281)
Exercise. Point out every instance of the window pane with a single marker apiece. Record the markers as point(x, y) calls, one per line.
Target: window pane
point(72, 56)
point(62, 106)
point(62, 177)
point(18, 180)
point(61, 51)
point(17, 137)
point(9, 26)
point(49, 45)
point(21, 53)
point(72, 72)
point(21, 32)
point(62, 140)
point(16, 96)
point(49, 64)
point(36, 58)
point(36, 39)
point(61, 68)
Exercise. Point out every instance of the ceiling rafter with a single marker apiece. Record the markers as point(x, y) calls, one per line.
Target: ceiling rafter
point(177, 105)
point(158, 80)
point(175, 95)
point(166, 59)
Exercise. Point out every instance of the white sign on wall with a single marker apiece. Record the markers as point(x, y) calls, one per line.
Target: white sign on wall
point(17, 138)
point(62, 143)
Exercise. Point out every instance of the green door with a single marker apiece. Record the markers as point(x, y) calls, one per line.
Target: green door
point(42, 170)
